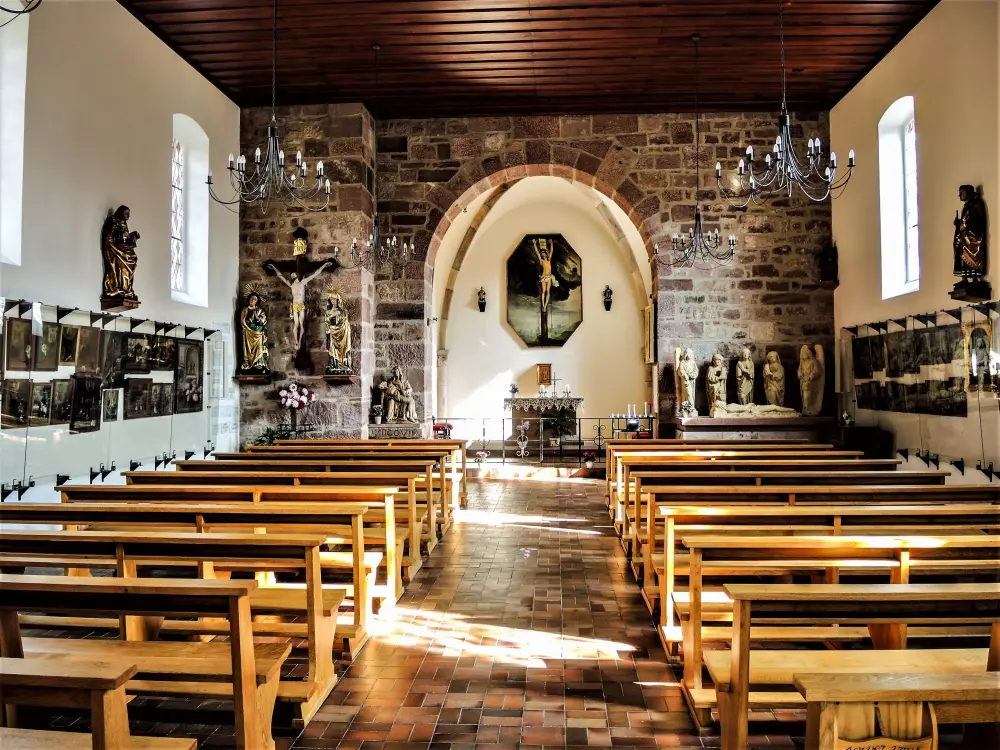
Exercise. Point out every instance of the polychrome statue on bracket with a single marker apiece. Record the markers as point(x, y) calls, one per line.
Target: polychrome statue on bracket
point(120, 260)
point(252, 323)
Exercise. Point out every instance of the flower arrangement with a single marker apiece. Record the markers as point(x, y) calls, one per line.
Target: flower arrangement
point(295, 397)
point(443, 426)
point(589, 455)
point(481, 457)
point(377, 413)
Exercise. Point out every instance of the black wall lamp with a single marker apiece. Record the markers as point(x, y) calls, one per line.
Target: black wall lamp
point(607, 298)
point(481, 297)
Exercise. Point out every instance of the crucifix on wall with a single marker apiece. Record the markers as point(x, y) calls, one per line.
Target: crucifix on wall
point(296, 274)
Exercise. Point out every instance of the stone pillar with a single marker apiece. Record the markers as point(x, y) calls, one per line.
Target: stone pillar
point(342, 136)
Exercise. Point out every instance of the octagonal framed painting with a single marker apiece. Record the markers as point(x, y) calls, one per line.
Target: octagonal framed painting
point(544, 290)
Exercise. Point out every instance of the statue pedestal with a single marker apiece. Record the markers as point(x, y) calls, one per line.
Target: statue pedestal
point(396, 431)
point(254, 379)
point(118, 304)
point(751, 428)
point(972, 290)
point(340, 378)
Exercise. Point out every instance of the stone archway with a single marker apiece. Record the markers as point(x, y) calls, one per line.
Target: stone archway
point(479, 200)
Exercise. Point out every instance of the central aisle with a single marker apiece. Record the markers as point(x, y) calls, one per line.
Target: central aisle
point(524, 629)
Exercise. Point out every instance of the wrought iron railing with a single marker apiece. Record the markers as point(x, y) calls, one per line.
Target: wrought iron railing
point(541, 439)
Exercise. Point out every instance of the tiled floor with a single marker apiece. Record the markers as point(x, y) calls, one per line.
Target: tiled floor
point(523, 630)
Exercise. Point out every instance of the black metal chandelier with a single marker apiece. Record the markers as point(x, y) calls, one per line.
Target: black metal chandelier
point(816, 177)
point(269, 178)
point(26, 7)
point(698, 247)
point(378, 251)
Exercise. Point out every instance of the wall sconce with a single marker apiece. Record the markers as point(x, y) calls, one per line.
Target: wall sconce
point(482, 299)
point(607, 298)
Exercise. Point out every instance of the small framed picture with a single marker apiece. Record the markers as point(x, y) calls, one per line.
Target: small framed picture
point(16, 403)
point(188, 385)
point(544, 373)
point(155, 399)
point(88, 350)
point(41, 404)
point(111, 405)
point(69, 337)
point(138, 398)
point(18, 344)
point(164, 353)
point(62, 402)
point(86, 404)
point(137, 354)
point(47, 348)
point(113, 359)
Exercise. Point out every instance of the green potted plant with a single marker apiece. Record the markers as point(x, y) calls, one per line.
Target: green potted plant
point(558, 423)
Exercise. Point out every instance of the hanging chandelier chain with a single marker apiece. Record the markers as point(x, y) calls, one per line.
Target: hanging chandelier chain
point(781, 34)
point(274, 59)
point(699, 248)
point(815, 175)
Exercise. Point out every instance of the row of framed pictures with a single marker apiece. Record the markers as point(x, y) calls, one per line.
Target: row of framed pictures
point(81, 403)
point(88, 349)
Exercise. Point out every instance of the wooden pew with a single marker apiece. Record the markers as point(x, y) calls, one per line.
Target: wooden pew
point(336, 465)
point(884, 609)
point(613, 447)
point(842, 706)
point(800, 494)
point(69, 684)
point(439, 455)
point(397, 480)
point(250, 672)
point(762, 555)
point(458, 446)
point(127, 549)
point(662, 564)
point(383, 497)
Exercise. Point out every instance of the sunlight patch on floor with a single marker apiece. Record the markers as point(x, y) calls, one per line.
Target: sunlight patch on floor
point(446, 634)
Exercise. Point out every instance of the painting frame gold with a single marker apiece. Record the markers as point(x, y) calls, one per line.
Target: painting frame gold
point(649, 334)
point(543, 374)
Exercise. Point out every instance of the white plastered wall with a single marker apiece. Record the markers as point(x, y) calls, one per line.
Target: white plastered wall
point(601, 361)
point(949, 64)
point(101, 94)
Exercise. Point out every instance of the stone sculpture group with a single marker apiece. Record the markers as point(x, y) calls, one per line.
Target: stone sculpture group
point(811, 373)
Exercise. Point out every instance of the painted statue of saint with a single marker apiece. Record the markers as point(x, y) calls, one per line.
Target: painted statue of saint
point(253, 331)
point(118, 248)
point(744, 378)
point(970, 234)
point(338, 331)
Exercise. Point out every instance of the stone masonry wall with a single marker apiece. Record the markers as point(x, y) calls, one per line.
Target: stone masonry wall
point(342, 136)
point(429, 170)
point(767, 298)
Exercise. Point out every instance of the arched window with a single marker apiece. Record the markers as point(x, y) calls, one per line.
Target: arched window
point(189, 212)
point(13, 79)
point(898, 209)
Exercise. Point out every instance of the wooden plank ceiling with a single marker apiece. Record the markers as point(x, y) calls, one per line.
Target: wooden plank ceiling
point(502, 57)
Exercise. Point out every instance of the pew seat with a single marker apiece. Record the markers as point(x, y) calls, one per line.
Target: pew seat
point(40, 739)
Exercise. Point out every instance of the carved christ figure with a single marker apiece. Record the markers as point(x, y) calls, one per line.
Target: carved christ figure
point(298, 306)
point(543, 251)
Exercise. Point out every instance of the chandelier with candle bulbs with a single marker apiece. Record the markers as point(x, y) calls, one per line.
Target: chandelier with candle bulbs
point(783, 171)
point(698, 247)
point(11, 14)
point(268, 177)
point(378, 251)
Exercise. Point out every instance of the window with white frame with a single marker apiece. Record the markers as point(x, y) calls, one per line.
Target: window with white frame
point(13, 81)
point(189, 212)
point(177, 268)
point(898, 204)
